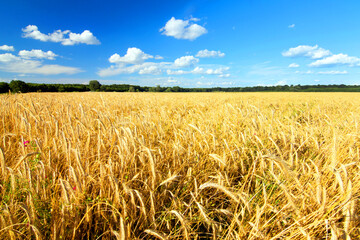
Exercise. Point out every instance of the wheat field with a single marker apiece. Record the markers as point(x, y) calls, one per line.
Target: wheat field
point(179, 166)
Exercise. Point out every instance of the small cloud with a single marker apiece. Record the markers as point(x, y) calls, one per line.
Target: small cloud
point(183, 29)
point(7, 48)
point(132, 56)
point(224, 75)
point(65, 37)
point(294, 65)
point(153, 70)
point(176, 72)
point(208, 54)
point(205, 83)
point(227, 83)
point(172, 80)
point(158, 57)
point(185, 61)
point(291, 26)
point(37, 53)
point(314, 52)
point(210, 71)
point(280, 83)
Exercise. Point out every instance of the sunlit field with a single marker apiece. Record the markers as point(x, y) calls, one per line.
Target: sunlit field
point(180, 166)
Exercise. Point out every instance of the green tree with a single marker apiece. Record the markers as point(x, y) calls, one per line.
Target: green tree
point(18, 86)
point(94, 85)
point(176, 89)
point(4, 87)
point(157, 88)
point(132, 89)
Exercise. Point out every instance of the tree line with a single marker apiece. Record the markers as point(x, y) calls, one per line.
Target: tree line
point(94, 85)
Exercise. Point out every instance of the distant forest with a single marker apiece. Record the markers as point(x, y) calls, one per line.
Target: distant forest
point(94, 85)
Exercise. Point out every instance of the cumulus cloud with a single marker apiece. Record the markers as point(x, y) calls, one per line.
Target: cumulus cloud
point(37, 53)
point(65, 37)
point(132, 56)
point(7, 48)
point(133, 62)
point(207, 54)
point(291, 25)
point(183, 29)
point(294, 65)
point(185, 61)
point(314, 52)
point(22, 65)
point(336, 59)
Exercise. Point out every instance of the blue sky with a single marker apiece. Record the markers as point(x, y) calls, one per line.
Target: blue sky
point(201, 43)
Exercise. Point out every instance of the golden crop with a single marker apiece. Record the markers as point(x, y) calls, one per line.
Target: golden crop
point(179, 166)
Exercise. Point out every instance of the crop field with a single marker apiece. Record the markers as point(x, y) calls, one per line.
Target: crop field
point(180, 166)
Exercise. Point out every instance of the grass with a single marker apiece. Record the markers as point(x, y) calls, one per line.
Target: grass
point(179, 166)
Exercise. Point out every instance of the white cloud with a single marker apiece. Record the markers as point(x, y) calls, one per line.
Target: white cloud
point(294, 65)
point(314, 52)
point(134, 61)
point(65, 37)
point(16, 64)
point(305, 72)
point(227, 83)
point(53, 70)
point(224, 75)
point(132, 56)
point(210, 71)
point(207, 54)
point(154, 70)
point(143, 68)
point(7, 48)
point(85, 37)
point(205, 83)
point(183, 29)
point(185, 61)
point(216, 71)
point(336, 59)
point(333, 72)
point(36, 53)
point(158, 57)
point(280, 83)
point(291, 25)
point(176, 72)
point(8, 57)
point(198, 70)
point(171, 80)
